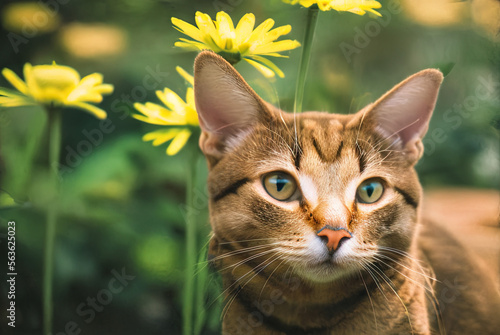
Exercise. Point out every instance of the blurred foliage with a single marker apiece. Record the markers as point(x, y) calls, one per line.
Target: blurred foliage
point(122, 198)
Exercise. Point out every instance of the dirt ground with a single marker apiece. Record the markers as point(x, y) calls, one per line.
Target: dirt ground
point(473, 217)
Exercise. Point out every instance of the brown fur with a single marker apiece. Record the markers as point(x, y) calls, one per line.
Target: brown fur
point(265, 250)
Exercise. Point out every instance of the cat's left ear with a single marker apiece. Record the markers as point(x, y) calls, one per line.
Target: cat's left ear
point(403, 113)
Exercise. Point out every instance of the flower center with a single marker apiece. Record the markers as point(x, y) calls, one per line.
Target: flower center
point(53, 83)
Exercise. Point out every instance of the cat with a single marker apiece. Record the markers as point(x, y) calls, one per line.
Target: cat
point(315, 217)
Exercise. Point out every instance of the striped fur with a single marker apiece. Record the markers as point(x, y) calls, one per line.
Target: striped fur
point(278, 276)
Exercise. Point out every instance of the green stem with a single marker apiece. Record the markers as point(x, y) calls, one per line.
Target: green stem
point(201, 284)
point(54, 124)
point(191, 247)
point(312, 18)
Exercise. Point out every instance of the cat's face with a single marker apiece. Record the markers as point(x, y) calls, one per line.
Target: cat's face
point(319, 194)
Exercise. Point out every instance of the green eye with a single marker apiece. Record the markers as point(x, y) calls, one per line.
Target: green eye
point(369, 191)
point(280, 185)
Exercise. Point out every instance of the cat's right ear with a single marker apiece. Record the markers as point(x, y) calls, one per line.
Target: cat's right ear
point(403, 113)
point(226, 105)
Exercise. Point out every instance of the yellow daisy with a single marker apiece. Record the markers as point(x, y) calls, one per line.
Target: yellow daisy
point(175, 112)
point(235, 44)
point(359, 7)
point(55, 85)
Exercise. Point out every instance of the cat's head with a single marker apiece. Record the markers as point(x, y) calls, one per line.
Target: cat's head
point(323, 193)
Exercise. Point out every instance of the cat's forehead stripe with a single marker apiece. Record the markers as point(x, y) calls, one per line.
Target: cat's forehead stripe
point(324, 136)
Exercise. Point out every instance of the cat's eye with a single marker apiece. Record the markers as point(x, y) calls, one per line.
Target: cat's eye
point(280, 185)
point(369, 191)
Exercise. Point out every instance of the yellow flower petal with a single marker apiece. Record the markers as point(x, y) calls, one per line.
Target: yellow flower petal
point(225, 30)
point(211, 37)
point(276, 47)
point(104, 89)
point(90, 89)
point(96, 111)
point(261, 30)
point(165, 137)
point(51, 83)
point(187, 29)
point(359, 7)
point(373, 12)
point(324, 5)
point(191, 115)
point(171, 100)
point(33, 89)
point(309, 3)
point(151, 114)
point(237, 43)
point(146, 119)
point(176, 112)
point(156, 114)
point(57, 85)
point(190, 45)
point(274, 34)
point(15, 80)
point(189, 78)
point(244, 28)
point(87, 96)
point(268, 73)
point(151, 135)
point(11, 93)
point(178, 142)
point(357, 11)
point(161, 136)
point(190, 97)
point(91, 80)
point(15, 102)
point(267, 63)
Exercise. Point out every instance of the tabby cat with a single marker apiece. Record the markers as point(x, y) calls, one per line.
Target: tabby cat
point(315, 217)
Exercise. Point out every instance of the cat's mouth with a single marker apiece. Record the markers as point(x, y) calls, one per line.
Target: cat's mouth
point(326, 270)
point(322, 265)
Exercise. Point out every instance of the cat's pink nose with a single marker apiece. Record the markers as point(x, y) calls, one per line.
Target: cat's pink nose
point(333, 236)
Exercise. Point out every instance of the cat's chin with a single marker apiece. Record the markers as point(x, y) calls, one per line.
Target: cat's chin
point(325, 272)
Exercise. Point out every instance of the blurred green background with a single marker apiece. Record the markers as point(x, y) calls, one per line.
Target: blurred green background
point(122, 198)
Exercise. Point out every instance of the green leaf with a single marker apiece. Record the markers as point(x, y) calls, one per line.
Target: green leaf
point(445, 68)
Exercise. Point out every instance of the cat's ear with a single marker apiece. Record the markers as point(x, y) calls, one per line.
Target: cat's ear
point(226, 105)
point(403, 113)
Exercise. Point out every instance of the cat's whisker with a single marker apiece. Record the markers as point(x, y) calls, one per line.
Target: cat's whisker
point(359, 127)
point(260, 268)
point(232, 287)
point(404, 275)
point(268, 278)
point(246, 260)
point(283, 140)
point(250, 240)
point(434, 300)
point(371, 301)
point(400, 130)
point(403, 265)
point(367, 267)
point(239, 251)
point(292, 134)
point(399, 252)
point(333, 191)
point(389, 283)
point(372, 156)
point(295, 133)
